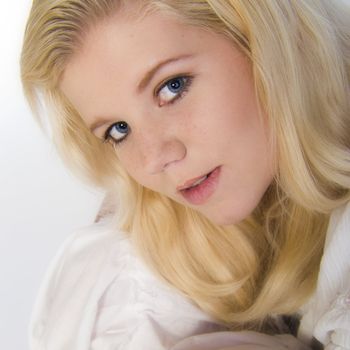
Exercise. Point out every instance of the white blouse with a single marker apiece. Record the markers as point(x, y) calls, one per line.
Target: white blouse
point(98, 295)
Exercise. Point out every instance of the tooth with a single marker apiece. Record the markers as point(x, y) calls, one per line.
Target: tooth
point(199, 181)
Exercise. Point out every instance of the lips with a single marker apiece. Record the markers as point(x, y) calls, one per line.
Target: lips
point(196, 191)
point(192, 182)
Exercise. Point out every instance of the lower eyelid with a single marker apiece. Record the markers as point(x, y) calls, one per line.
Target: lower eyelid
point(114, 142)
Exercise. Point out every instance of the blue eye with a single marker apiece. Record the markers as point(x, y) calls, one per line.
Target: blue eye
point(175, 85)
point(117, 132)
point(173, 89)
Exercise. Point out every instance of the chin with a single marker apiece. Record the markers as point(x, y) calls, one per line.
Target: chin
point(230, 216)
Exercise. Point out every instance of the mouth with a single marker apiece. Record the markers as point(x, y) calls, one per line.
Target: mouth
point(198, 190)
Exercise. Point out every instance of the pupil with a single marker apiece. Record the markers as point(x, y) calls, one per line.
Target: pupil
point(122, 127)
point(175, 84)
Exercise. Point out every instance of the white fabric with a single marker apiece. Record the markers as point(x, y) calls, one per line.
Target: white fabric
point(327, 315)
point(99, 296)
point(240, 341)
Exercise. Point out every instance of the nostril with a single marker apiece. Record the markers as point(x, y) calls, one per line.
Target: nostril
point(168, 164)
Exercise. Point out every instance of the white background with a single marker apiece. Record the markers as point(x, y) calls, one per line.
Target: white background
point(40, 202)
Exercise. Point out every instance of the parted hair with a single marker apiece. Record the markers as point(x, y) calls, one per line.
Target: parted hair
point(268, 264)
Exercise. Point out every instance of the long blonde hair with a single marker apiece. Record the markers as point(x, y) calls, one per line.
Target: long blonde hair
point(299, 52)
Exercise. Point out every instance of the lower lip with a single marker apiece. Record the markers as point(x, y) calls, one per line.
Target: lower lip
point(199, 194)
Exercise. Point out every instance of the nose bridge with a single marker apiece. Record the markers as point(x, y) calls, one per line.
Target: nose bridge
point(159, 147)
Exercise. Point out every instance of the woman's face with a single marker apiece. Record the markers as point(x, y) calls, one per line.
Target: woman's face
point(179, 103)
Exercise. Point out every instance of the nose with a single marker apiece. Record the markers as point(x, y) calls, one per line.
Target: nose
point(159, 152)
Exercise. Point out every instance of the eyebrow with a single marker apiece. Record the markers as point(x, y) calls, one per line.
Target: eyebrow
point(151, 73)
point(143, 84)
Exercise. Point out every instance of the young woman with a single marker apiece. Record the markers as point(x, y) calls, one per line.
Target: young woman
point(221, 130)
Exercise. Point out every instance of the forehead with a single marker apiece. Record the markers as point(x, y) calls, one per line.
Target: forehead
point(118, 51)
point(149, 35)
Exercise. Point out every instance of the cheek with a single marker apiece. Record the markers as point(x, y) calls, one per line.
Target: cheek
point(129, 163)
point(135, 170)
point(228, 107)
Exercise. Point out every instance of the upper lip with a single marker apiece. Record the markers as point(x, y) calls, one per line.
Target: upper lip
point(189, 183)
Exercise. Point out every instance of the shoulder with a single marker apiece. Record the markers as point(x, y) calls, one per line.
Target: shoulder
point(99, 294)
point(328, 313)
point(74, 278)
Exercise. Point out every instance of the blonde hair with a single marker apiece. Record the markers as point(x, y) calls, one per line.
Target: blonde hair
point(299, 52)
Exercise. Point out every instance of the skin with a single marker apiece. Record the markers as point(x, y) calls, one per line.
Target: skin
point(217, 122)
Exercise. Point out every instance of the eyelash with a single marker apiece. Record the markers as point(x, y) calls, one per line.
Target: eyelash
point(107, 138)
point(187, 81)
